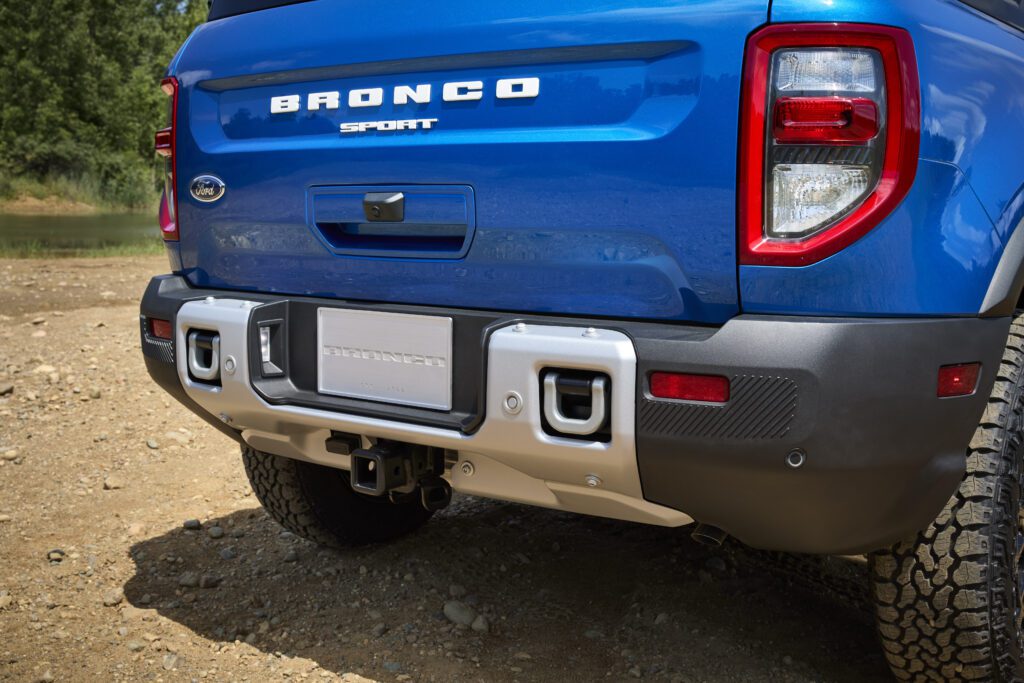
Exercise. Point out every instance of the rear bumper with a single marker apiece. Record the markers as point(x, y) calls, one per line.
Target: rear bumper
point(883, 454)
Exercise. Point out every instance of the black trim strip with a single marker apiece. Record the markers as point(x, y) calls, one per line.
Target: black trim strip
point(1007, 11)
point(229, 8)
point(554, 55)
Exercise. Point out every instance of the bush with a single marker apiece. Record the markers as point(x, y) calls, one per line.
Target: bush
point(80, 96)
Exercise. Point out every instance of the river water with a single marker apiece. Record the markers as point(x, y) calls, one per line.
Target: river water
point(69, 234)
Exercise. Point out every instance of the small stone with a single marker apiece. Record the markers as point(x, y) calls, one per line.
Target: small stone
point(95, 393)
point(456, 591)
point(660, 619)
point(172, 661)
point(38, 321)
point(113, 482)
point(787, 660)
point(6, 389)
point(113, 597)
point(522, 656)
point(152, 444)
point(291, 556)
point(47, 677)
point(480, 624)
point(39, 333)
point(635, 672)
point(228, 554)
point(593, 634)
point(5, 601)
point(177, 437)
point(209, 581)
point(380, 629)
point(192, 524)
point(188, 580)
point(136, 646)
point(215, 532)
point(44, 369)
point(5, 518)
point(10, 455)
point(459, 613)
point(56, 555)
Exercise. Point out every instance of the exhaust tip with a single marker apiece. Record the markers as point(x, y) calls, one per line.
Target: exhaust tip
point(706, 534)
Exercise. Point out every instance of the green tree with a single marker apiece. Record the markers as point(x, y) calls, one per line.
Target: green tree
point(79, 90)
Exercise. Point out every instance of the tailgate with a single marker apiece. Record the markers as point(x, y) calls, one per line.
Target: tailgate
point(573, 158)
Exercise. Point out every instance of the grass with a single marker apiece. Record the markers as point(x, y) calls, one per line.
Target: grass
point(38, 250)
point(63, 195)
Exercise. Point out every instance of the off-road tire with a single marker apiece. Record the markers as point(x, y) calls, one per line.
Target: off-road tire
point(318, 503)
point(948, 603)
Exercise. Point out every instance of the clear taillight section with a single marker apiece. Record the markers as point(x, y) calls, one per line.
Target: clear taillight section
point(829, 137)
point(806, 197)
point(164, 144)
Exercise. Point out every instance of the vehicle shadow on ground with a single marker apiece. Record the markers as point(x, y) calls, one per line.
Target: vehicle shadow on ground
point(563, 595)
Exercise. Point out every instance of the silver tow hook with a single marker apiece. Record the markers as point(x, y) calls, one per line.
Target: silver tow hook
point(204, 355)
point(593, 390)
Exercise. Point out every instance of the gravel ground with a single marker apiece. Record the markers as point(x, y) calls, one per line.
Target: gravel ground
point(131, 548)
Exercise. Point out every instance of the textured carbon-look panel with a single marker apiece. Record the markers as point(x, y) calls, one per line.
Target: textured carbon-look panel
point(805, 154)
point(157, 349)
point(759, 408)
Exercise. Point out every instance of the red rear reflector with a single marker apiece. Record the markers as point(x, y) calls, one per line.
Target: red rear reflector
point(958, 380)
point(684, 387)
point(825, 120)
point(160, 329)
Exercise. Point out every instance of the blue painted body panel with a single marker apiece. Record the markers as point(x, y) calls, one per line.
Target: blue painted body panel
point(613, 193)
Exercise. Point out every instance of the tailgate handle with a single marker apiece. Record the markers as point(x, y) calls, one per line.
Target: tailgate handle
point(386, 207)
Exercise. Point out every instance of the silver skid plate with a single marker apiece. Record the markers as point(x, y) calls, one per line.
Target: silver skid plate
point(390, 357)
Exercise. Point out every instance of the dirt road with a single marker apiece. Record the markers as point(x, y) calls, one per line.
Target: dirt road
point(101, 580)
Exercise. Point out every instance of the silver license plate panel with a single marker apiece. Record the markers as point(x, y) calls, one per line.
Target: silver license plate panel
point(398, 358)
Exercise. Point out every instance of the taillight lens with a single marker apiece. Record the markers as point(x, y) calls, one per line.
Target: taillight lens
point(165, 142)
point(828, 140)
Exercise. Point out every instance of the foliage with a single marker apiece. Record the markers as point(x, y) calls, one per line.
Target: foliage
point(79, 91)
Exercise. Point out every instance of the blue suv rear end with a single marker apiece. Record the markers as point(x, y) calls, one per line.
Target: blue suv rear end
point(754, 268)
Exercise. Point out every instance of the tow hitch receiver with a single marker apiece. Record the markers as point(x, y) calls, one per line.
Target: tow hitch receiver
point(396, 469)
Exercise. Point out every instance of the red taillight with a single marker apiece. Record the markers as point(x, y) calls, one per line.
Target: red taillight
point(687, 387)
point(958, 380)
point(165, 142)
point(161, 329)
point(829, 137)
point(824, 120)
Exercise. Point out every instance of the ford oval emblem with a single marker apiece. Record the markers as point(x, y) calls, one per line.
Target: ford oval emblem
point(207, 188)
